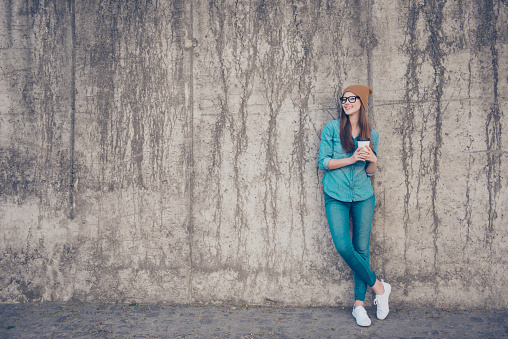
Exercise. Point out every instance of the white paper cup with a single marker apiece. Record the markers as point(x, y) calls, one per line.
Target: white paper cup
point(363, 142)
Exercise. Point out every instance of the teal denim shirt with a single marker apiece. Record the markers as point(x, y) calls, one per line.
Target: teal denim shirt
point(348, 183)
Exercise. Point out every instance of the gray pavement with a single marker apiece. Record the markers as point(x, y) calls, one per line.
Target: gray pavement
point(88, 320)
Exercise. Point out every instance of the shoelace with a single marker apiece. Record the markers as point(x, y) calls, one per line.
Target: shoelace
point(361, 312)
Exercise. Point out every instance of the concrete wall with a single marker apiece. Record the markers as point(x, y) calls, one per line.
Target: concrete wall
point(166, 151)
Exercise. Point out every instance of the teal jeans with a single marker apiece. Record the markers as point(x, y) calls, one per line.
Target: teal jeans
point(353, 249)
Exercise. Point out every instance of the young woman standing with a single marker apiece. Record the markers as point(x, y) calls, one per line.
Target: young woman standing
point(348, 190)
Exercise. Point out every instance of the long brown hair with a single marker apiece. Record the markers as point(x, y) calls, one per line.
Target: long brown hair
point(346, 138)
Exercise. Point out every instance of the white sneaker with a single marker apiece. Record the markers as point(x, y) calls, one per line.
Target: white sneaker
point(382, 301)
point(360, 314)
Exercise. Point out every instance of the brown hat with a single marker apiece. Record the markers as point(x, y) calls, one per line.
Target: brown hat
point(362, 91)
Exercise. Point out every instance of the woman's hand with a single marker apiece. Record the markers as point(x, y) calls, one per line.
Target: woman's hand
point(369, 154)
point(364, 154)
point(358, 155)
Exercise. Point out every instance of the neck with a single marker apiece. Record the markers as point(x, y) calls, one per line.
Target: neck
point(353, 120)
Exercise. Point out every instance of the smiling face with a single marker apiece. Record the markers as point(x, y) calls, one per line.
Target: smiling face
point(349, 108)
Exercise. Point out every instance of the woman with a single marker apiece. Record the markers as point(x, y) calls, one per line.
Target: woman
point(348, 190)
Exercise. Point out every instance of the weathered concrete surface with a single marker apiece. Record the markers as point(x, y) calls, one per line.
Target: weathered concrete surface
point(167, 150)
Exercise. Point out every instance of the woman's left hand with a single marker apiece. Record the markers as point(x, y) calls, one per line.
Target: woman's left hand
point(369, 154)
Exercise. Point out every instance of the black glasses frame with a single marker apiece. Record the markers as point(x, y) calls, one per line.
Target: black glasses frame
point(351, 99)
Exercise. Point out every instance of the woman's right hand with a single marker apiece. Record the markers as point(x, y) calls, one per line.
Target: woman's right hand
point(359, 155)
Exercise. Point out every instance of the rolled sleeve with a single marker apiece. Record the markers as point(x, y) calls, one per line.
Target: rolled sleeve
point(325, 163)
point(326, 147)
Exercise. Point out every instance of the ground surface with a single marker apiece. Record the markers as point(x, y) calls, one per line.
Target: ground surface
point(76, 320)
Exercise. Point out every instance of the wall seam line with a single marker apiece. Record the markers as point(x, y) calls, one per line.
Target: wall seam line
point(191, 146)
point(72, 186)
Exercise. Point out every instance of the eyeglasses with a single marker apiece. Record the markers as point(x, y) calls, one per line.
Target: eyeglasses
point(351, 99)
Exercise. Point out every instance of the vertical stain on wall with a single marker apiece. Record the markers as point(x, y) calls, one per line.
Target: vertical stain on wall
point(304, 28)
point(435, 52)
point(342, 57)
point(237, 58)
point(19, 150)
point(469, 183)
point(487, 40)
point(6, 40)
point(370, 45)
point(132, 60)
point(218, 27)
point(99, 59)
point(244, 54)
point(407, 127)
point(424, 109)
point(277, 77)
point(50, 94)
